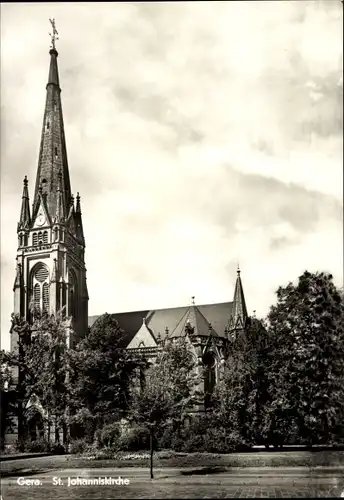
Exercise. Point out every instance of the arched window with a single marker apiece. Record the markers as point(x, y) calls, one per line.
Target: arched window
point(40, 238)
point(40, 287)
point(35, 239)
point(45, 237)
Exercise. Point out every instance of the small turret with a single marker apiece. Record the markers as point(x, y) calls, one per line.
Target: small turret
point(239, 312)
point(78, 221)
point(25, 219)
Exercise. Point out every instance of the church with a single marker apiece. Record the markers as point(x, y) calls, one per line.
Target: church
point(50, 262)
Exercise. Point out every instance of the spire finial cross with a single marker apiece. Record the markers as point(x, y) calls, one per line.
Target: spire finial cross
point(53, 35)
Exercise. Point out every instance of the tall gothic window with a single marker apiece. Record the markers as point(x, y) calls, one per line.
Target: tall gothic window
point(40, 287)
point(209, 376)
point(45, 237)
point(35, 239)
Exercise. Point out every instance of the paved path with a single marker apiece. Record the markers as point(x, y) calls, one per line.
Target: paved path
point(293, 482)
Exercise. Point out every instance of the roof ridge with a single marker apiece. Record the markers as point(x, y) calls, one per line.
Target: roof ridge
point(152, 310)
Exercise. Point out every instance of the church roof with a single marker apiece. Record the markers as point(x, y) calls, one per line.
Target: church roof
point(158, 319)
point(196, 321)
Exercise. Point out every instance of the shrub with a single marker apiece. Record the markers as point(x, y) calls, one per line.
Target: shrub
point(216, 440)
point(178, 443)
point(137, 438)
point(58, 449)
point(78, 446)
point(10, 449)
point(165, 438)
point(109, 435)
point(193, 443)
point(36, 446)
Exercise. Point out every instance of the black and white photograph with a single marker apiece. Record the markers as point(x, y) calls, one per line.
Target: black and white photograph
point(172, 301)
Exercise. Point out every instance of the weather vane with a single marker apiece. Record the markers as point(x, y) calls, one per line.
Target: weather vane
point(53, 35)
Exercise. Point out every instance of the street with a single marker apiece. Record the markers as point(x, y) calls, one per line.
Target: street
point(293, 482)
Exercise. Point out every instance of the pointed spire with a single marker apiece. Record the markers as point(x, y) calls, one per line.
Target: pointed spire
point(53, 77)
point(53, 71)
point(53, 152)
point(25, 208)
point(239, 311)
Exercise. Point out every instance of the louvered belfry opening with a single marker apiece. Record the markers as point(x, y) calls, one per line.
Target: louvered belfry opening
point(40, 282)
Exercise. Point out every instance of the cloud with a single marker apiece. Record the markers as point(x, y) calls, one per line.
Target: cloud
point(198, 134)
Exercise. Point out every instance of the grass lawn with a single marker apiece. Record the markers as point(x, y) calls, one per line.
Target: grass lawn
point(167, 459)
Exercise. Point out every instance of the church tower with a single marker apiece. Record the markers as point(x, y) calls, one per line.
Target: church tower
point(51, 274)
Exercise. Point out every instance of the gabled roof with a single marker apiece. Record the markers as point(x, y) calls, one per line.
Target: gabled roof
point(143, 338)
point(157, 320)
point(196, 321)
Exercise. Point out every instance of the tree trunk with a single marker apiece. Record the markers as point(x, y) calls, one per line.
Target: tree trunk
point(151, 452)
point(57, 431)
point(49, 425)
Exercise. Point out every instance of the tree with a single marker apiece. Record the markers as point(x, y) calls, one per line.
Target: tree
point(39, 364)
point(168, 392)
point(241, 392)
point(307, 360)
point(5, 382)
point(47, 366)
point(101, 374)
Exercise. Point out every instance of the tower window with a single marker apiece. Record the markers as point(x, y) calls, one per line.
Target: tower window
point(40, 282)
point(35, 239)
point(45, 237)
point(56, 152)
point(45, 297)
point(37, 296)
point(55, 106)
point(40, 238)
point(48, 125)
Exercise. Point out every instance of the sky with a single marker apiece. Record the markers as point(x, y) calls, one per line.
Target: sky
point(200, 135)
